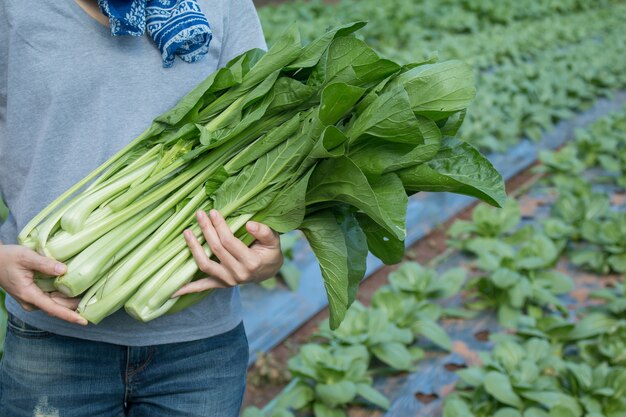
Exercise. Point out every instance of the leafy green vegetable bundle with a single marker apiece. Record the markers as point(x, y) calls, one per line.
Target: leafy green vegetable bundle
point(328, 138)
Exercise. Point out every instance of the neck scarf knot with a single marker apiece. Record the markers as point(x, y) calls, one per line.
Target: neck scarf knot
point(177, 27)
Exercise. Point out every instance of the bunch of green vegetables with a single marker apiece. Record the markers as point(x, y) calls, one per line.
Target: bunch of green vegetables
point(328, 138)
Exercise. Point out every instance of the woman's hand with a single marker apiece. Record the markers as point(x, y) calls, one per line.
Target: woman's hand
point(18, 265)
point(238, 264)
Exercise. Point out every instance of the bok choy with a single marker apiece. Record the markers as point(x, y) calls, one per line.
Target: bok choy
point(328, 138)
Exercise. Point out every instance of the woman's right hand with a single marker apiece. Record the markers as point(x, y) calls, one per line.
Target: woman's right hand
point(18, 265)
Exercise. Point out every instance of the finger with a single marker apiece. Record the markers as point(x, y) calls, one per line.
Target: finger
point(213, 240)
point(235, 246)
point(263, 234)
point(35, 262)
point(205, 264)
point(65, 301)
point(43, 302)
point(200, 285)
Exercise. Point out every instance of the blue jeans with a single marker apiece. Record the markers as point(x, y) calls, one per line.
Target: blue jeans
point(47, 375)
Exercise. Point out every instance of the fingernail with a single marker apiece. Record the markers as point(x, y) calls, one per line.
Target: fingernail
point(213, 214)
point(82, 321)
point(59, 268)
point(252, 226)
point(186, 233)
point(199, 214)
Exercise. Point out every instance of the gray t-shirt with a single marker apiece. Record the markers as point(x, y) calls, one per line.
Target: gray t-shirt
point(71, 95)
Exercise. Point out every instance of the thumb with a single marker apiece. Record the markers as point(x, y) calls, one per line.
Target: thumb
point(263, 234)
point(31, 260)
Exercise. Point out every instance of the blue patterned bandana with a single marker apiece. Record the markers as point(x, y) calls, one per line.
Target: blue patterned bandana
point(178, 27)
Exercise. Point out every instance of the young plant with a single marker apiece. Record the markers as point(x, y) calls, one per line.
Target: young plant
point(603, 246)
point(515, 376)
point(601, 334)
point(374, 329)
point(572, 210)
point(486, 223)
point(327, 380)
point(409, 299)
point(518, 280)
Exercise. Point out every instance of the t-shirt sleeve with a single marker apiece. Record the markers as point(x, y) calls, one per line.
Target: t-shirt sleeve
point(242, 31)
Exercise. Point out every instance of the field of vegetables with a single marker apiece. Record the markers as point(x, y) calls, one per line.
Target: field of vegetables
point(517, 311)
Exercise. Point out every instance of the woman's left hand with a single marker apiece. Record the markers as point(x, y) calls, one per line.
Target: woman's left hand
point(238, 264)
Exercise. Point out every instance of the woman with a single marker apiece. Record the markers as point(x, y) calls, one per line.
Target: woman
point(71, 95)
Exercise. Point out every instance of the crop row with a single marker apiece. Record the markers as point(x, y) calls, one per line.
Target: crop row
point(539, 71)
point(402, 22)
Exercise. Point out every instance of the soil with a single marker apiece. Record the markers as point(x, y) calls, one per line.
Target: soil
point(424, 251)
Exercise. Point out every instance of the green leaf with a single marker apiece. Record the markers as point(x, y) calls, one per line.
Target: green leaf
point(592, 325)
point(618, 262)
point(507, 412)
point(499, 386)
point(449, 284)
point(272, 168)
point(508, 316)
point(284, 51)
point(352, 61)
point(554, 399)
point(339, 179)
point(460, 168)
point(286, 212)
point(433, 332)
point(269, 284)
point(394, 354)
point(298, 397)
point(535, 412)
point(252, 412)
point(265, 144)
point(290, 273)
point(312, 53)
point(336, 100)
point(336, 394)
point(231, 75)
point(436, 90)
point(377, 157)
point(389, 118)
point(330, 145)
point(328, 241)
point(288, 94)
point(505, 278)
point(370, 394)
point(456, 407)
point(473, 376)
point(380, 242)
point(356, 246)
point(562, 411)
point(322, 410)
